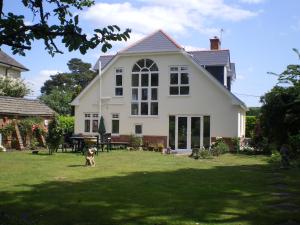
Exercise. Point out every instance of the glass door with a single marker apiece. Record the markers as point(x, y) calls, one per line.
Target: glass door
point(195, 132)
point(182, 132)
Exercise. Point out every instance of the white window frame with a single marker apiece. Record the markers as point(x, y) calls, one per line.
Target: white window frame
point(115, 116)
point(179, 71)
point(149, 88)
point(117, 73)
point(92, 116)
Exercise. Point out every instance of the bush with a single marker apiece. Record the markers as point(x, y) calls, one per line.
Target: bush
point(55, 135)
point(294, 141)
point(219, 147)
point(13, 87)
point(66, 124)
point(135, 142)
point(250, 126)
point(200, 153)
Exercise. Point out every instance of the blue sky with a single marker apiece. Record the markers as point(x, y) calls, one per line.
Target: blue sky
point(259, 33)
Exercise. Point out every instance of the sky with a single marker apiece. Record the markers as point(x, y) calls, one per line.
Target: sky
point(259, 33)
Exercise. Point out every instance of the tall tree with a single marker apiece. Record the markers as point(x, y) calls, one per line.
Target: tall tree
point(59, 91)
point(54, 20)
point(280, 112)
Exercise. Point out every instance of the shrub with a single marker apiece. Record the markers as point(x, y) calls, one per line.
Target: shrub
point(33, 144)
point(66, 124)
point(236, 141)
point(13, 87)
point(250, 126)
point(294, 141)
point(135, 142)
point(219, 147)
point(55, 135)
point(200, 153)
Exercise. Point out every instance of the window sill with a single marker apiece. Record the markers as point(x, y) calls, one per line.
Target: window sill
point(179, 95)
point(118, 96)
point(143, 116)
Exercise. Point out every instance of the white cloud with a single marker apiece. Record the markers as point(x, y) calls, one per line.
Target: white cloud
point(252, 1)
point(38, 81)
point(28, 23)
point(177, 18)
point(192, 48)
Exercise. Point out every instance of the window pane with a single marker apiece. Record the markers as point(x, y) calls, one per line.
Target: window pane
point(174, 78)
point(149, 62)
point(195, 132)
point(206, 131)
point(184, 78)
point(138, 129)
point(134, 108)
point(95, 126)
point(154, 108)
point(135, 94)
point(87, 115)
point(174, 68)
point(115, 127)
point(115, 115)
point(172, 132)
point(145, 80)
point(119, 70)
point(144, 108)
point(183, 68)
point(144, 93)
point(154, 94)
point(182, 132)
point(95, 115)
point(184, 90)
point(154, 79)
point(135, 80)
point(118, 80)
point(154, 67)
point(136, 68)
point(119, 91)
point(174, 91)
point(87, 126)
point(141, 63)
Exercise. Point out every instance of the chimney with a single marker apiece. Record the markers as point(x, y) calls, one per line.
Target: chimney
point(215, 43)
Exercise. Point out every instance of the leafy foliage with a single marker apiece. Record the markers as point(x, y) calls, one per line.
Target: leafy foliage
point(67, 124)
point(54, 20)
point(54, 136)
point(59, 100)
point(250, 126)
point(219, 147)
point(280, 112)
point(13, 87)
point(253, 111)
point(62, 88)
point(101, 129)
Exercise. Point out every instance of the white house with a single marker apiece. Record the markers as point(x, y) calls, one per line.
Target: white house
point(157, 90)
point(10, 67)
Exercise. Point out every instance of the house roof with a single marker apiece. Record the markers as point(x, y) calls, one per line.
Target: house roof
point(105, 59)
point(211, 57)
point(159, 39)
point(9, 61)
point(23, 107)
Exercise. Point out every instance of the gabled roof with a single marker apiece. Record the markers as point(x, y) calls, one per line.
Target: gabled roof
point(211, 57)
point(105, 59)
point(158, 41)
point(9, 61)
point(23, 107)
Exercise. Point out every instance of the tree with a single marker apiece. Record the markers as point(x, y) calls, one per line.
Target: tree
point(62, 88)
point(280, 112)
point(59, 100)
point(12, 87)
point(55, 135)
point(54, 20)
point(79, 76)
point(101, 129)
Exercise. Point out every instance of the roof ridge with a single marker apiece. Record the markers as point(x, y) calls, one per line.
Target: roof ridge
point(209, 50)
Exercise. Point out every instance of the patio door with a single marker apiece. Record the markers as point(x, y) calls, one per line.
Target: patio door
point(185, 132)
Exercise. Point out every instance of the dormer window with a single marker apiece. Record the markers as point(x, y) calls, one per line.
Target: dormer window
point(144, 88)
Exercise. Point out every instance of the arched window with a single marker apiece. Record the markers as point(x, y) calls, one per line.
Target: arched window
point(144, 88)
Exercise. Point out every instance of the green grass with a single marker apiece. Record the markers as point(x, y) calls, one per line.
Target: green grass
point(144, 188)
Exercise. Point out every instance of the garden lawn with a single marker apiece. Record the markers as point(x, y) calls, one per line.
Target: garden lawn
point(144, 188)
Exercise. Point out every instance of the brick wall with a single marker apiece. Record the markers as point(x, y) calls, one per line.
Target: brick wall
point(149, 139)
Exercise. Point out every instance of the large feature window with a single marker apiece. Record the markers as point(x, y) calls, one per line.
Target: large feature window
point(119, 82)
point(179, 80)
point(144, 88)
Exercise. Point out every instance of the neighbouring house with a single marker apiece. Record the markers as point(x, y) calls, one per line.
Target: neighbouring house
point(10, 67)
point(15, 109)
point(159, 91)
